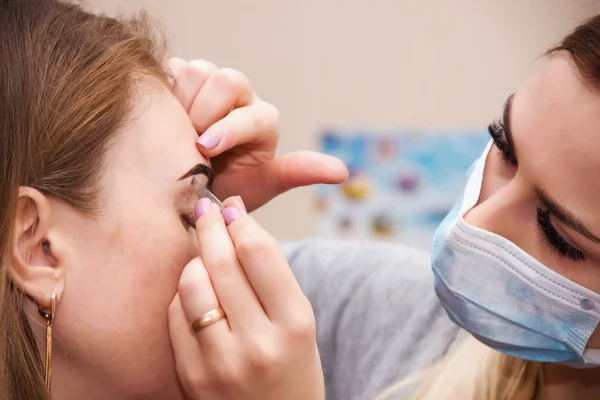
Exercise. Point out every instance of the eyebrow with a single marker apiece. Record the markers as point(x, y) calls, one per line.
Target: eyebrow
point(200, 169)
point(555, 209)
point(565, 216)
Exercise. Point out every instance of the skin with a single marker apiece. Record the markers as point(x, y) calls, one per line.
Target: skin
point(122, 269)
point(243, 140)
point(554, 122)
point(130, 279)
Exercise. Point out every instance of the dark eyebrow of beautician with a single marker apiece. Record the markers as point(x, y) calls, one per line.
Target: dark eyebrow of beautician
point(565, 217)
point(200, 169)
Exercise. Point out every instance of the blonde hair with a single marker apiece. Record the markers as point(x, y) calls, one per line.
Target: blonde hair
point(472, 372)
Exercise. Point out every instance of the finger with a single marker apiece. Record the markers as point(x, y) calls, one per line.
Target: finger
point(186, 350)
point(297, 169)
point(197, 298)
point(303, 168)
point(231, 286)
point(190, 79)
point(173, 66)
point(224, 90)
point(266, 267)
point(237, 202)
point(255, 125)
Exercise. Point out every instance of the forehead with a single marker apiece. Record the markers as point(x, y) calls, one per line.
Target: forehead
point(555, 121)
point(156, 146)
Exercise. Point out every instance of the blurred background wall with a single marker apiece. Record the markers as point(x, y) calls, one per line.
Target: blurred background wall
point(386, 63)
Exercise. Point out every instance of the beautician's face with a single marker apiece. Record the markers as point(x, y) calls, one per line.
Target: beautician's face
point(124, 266)
point(550, 166)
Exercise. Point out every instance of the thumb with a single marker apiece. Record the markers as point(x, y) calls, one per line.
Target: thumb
point(305, 168)
point(259, 185)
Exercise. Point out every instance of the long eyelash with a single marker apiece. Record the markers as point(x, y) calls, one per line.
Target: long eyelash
point(496, 131)
point(188, 221)
point(554, 239)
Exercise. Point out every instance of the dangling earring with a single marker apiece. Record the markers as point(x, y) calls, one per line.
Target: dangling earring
point(49, 319)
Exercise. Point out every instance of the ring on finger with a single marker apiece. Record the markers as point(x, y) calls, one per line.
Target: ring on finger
point(208, 319)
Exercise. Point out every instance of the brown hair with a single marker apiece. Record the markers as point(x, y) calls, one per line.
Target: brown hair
point(474, 371)
point(583, 45)
point(66, 86)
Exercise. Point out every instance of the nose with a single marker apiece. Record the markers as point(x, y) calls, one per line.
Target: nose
point(508, 210)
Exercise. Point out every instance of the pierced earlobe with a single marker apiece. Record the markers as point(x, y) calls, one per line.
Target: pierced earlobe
point(49, 316)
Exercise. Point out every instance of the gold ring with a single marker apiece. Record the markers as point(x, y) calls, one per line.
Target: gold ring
point(208, 319)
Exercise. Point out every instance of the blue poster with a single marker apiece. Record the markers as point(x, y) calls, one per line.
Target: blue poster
point(402, 184)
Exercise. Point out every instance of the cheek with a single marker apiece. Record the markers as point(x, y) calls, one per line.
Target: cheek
point(505, 205)
point(118, 294)
point(145, 259)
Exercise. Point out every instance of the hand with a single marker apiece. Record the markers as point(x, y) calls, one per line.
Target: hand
point(265, 349)
point(239, 133)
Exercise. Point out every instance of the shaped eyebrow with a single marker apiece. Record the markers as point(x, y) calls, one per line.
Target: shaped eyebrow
point(200, 169)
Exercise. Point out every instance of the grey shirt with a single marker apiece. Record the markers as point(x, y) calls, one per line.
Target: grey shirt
point(378, 318)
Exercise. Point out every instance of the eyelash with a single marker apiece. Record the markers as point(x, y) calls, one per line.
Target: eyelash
point(552, 237)
point(188, 221)
point(496, 131)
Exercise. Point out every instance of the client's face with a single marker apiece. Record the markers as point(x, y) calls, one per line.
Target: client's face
point(541, 185)
point(124, 266)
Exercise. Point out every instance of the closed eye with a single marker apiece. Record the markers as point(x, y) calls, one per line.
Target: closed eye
point(554, 239)
point(497, 132)
point(501, 134)
point(188, 220)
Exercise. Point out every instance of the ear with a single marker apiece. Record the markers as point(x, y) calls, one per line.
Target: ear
point(36, 260)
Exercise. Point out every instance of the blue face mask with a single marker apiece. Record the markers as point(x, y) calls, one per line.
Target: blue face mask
point(506, 298)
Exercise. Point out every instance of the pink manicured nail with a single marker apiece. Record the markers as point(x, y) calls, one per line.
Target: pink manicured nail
point(202, 206)
point(209, 140)
point(230, 214)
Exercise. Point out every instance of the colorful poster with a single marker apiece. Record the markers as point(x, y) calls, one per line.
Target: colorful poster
point(402, 184)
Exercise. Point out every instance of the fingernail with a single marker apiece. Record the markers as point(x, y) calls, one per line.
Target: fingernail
point(240, 203)
point(230, 214)
point(202, 206)
point(209, 140)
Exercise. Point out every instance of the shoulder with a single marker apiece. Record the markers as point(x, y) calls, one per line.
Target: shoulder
point(378, 318)
point(354, 262)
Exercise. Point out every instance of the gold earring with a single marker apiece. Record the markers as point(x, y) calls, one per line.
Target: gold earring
point(49, 319)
